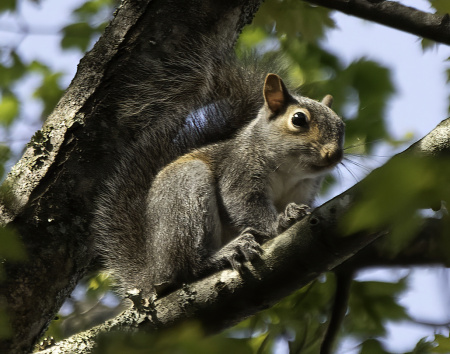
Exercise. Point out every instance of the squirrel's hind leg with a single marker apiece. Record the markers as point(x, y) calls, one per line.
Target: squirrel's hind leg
point(184, 223)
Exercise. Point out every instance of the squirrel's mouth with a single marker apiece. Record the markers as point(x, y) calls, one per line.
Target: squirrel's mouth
point(328, 161)
point(322, 167)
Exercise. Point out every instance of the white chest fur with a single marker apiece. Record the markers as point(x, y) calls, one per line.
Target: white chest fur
point(290, 185)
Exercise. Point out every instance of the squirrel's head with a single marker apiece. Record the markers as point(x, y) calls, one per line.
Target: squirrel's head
point(307, 130)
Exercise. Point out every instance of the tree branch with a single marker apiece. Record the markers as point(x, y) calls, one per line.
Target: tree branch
point(424, 249)
point(289, 262)
point(395, 15)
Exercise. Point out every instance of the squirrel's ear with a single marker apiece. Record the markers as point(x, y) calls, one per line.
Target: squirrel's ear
point(327, 100)
point(275, 93)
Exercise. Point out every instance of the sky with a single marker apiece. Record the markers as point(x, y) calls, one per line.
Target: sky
point(420, 103)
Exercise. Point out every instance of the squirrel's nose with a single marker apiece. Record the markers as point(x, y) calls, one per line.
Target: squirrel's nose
point(332, 153)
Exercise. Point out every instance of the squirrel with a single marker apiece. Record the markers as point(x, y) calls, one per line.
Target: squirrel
point(213, 206)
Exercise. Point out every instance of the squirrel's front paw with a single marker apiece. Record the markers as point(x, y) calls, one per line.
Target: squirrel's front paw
point(293, 213)
point(241, 249)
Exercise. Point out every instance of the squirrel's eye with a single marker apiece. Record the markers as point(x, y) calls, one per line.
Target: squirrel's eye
point(299, 119)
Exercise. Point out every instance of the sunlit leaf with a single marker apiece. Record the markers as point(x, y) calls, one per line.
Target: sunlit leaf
point(251, 37)
point(9, 109)
point(98, 285)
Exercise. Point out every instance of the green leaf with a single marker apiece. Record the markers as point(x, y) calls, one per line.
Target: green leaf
point(98, 285)
point(299, 315)
point(371, 303)
point(55, 329)
point(427, 44)
point(294, 19)
point(251, 37)
point(77, 35)
point(372, 346)
point(7, 5)
point(392, 196)
point(9, 109)
point(187, 338)
point(11, 250)
point(11, 247)
point(443, 344)
point(5, 154)
point(49, 92)
point(441, 6)
point(92, 8)
point(39, 67)
point(423, 346)
point(5, 328)
point(13, 72)
point(372, 85)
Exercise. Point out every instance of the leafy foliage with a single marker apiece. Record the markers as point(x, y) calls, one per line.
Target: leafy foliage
point(89, 24)
point(187, 338)
point(414, 184)
point(50, 89)
point(442, 344)
point(9, 109)
point(371, 304)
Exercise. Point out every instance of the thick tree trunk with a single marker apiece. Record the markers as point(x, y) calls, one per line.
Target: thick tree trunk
point(50, 192)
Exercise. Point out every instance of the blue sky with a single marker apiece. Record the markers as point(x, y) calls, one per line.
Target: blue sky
point(420, 104)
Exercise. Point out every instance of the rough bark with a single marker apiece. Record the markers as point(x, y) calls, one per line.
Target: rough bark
point(393, 14)
point(48, 196)
point(289, 262)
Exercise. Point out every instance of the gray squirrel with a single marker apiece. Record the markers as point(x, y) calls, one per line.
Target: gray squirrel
point(212, 207)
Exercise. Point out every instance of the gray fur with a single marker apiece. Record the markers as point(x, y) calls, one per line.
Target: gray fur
point(212, 207)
